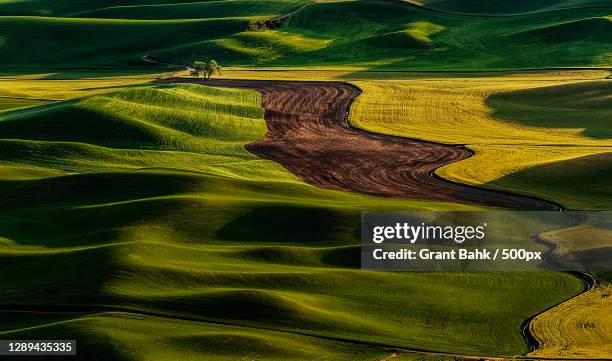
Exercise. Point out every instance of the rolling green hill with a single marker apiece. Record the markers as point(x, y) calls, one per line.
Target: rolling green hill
point(143, 204)
point(581, 182)
point(583, 105)
point(155, 8)
point(193, 10)
point(502, 8)
point(138, 213)
point(52, 43)
point(363, 34)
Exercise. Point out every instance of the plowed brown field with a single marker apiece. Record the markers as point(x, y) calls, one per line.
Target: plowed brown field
point(308, 135)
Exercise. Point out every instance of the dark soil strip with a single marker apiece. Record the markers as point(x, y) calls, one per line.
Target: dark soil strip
point(308, 135)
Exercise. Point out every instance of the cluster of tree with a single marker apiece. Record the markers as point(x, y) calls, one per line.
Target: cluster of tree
point(267, 24)
point(257, 25)
point(205, 68)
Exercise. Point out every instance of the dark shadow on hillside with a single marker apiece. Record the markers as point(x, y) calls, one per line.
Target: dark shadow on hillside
point(586, 106)
point(349, 257)
point(77, 277)
point(59, 211)
point(293, 224)
point(595, 259)
point(586, 180)
point(91, 345)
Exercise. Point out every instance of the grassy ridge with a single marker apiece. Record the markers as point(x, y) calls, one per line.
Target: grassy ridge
point(574, 180)
point(587, 240)
point(69, 8)
point(194, 10)
point(52, 43)
point(13, 103)
point(63, 86)
point(345, 34)
point(164, 119)
point(549, 141)
point(506, 7)
point(583, 107)
point(198, 228)
point(421, 39)
point(161, 338)
point(118, 7)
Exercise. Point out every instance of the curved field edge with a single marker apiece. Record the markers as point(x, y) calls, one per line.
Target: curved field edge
point(183, 227)
point(575, 177)
point(581, 327)
point(577, 329)
point(130, 336)
point(509, 142)
point(192, 339)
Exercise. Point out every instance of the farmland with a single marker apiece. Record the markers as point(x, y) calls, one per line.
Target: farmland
point(153, 216)
point(530, 156)
point(37, 35)
point(575, 329)
point(184, 243)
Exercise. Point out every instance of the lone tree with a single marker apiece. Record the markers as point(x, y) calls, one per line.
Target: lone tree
point(212, 68)
point(198, 68)
point(207, 69)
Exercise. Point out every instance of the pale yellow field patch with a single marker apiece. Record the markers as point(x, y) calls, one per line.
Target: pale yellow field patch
point(579, 328)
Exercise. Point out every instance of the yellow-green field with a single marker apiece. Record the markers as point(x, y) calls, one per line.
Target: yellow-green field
point(579, 328)
point(538, 134)
point(55, 87)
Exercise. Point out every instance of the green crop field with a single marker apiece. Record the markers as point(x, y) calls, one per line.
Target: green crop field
point(133, 218)
point(185, 222)
point(505, 7)
point(38, 35)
